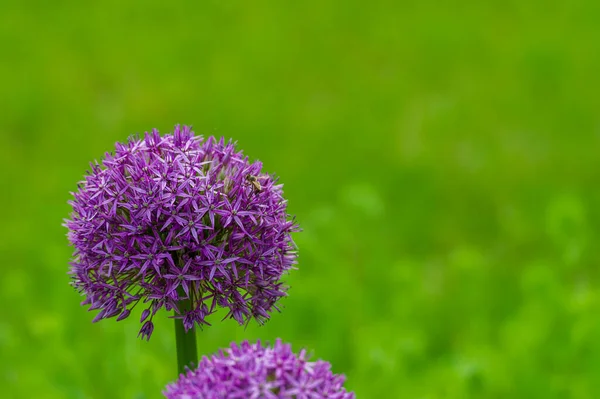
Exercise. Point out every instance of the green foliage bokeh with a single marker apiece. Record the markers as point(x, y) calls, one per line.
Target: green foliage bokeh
point(442, 159)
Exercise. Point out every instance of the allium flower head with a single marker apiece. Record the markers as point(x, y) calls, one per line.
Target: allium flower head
point(250, 371)
point(177, 217)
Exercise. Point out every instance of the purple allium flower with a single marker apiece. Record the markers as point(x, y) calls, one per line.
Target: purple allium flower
point(177, 217)
point(252, 371)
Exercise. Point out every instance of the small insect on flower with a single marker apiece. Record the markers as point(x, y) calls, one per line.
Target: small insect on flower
point(255, 183)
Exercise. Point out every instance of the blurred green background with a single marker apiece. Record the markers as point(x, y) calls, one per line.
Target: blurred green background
point(441, 157)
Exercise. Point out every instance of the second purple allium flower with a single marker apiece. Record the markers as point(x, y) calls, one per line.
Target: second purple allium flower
point(252, 371)
point(177, 217)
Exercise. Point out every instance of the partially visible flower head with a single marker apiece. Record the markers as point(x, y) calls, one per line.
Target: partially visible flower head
point(249, 371)
point(177, 217)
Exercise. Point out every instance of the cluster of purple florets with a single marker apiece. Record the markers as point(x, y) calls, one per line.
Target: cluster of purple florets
point(175, 217)
point(254, 371)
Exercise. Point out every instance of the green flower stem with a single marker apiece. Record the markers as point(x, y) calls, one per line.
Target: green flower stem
point(187, 352)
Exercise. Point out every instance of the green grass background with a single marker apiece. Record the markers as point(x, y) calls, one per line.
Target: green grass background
point(441, 157)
